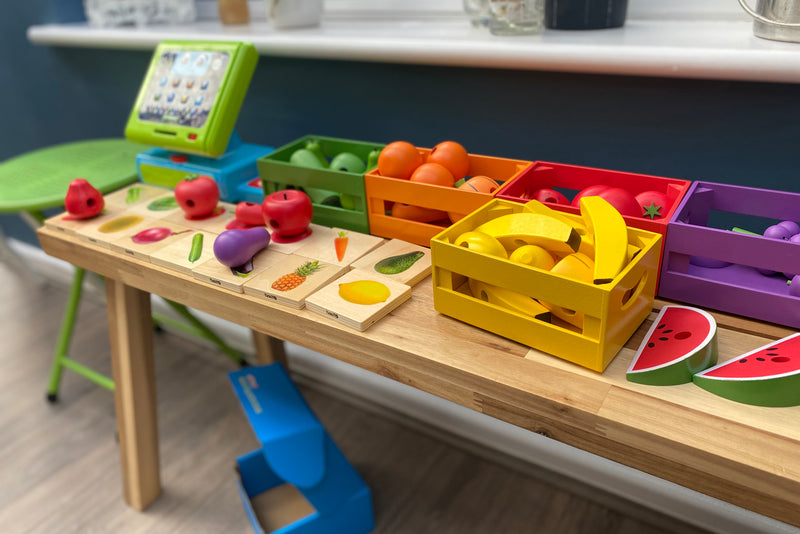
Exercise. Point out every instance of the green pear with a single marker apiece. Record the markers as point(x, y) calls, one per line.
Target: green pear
point(372, 158)
point(303, 157)
point(316, 148)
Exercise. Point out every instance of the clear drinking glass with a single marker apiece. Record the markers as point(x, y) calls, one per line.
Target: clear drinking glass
point(516, 17)
point(478, 12)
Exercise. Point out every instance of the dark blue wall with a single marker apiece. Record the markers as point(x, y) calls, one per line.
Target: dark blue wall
point(740, 133)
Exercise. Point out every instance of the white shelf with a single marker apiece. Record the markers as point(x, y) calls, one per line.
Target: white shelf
point(702, 49)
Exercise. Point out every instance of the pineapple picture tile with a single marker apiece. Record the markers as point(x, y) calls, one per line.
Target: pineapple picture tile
point(135, 194)
point(160, 207)
point(149, 239)
point(186, 252)
point(216, 223)
point(106, 229)
point(318, 234)
point(358, 299)
point(292, 279)
point(397, 260)
point(340, 247)
point(213, 272)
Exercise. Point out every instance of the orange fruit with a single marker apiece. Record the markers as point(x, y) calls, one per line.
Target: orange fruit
point(451, 155)
point(416, 213)
point(481, 184)
point(433, 173)
point(399, 159)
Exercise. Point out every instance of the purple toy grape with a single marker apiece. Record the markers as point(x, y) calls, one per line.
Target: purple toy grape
point(792, 227)
point(795, 238)
point(794, 286)
point(776, 231)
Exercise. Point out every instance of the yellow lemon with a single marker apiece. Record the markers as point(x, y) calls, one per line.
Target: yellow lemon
point(364, 292)
point(533, 255)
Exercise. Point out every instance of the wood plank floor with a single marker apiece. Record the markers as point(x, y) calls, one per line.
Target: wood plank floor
point(59, 470)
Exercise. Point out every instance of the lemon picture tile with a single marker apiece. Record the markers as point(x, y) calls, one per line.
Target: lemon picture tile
point(358, 299)
point(106, 229)
point(213, 272)
point(292, 279)
point(154, 236)
point(340, 246)
point(64, 222)
point(136, 194)
point(188, 251)
point(397, 260)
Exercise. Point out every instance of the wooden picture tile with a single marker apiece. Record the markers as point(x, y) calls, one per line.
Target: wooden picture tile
point(365, 298)
point(294, 277)
point(160, 207)
point(64, 222)
point(149, 239)
point(318, 234)
point(340, 247)
point(176, 255)
point(105, 229)
point(213, 272)
point(216, 224)
point(136, 194)
point(397, 260)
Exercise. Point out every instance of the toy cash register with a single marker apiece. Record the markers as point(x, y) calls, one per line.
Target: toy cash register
point(187, 106)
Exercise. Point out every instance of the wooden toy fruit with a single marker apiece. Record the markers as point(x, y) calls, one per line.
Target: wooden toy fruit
point(315, 148)
point(622, 199)
point(399, 159)
point(372, 158)
point(549, 195)
point(452, 156)
point(347, 162)
point(511, 300)
point(83, 200)
point(197, 195)
point(578, 267)
point(533, 255)
point(235, 248)
point(481, 242)
point(794, 286)
point(610, 236)
point(654, 204)
point(432, 173)
point(766, 376)
point(289, 213)
point(249, 214)
point(792, 227)
point(415, 213)
point(681, 342)
point(516, 229)
point(303, 157)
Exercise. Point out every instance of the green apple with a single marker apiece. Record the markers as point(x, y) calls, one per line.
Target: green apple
point(347, 162)
point(303, 157)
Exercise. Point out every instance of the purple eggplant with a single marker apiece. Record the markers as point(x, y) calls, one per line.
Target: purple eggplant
point(236, 247)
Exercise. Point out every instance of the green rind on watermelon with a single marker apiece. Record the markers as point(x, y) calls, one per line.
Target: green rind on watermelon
point(691, 332)
point(744, 379)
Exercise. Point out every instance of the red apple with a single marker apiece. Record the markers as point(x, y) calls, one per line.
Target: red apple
point(622, 199)
point(249, 214)
point(197, 196)
point(288, 212)
point(550, 195)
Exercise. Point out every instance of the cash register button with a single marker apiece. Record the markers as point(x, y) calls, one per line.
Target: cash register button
point(178, 158)
point(192, 136)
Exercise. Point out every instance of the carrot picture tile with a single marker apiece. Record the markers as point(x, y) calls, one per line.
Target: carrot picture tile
point(341, 247)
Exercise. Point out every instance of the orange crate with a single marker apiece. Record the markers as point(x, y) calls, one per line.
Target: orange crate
point(381, 191)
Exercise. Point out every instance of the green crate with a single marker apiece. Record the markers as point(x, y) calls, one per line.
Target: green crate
point(277, 172)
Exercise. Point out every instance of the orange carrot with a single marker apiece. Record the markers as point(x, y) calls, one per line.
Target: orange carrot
point(341, 245)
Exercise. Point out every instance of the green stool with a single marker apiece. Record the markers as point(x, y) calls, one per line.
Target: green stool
point(37, 181)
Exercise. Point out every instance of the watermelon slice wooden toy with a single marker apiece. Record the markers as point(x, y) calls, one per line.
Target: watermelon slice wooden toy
point(766, 376)
point(681, 342)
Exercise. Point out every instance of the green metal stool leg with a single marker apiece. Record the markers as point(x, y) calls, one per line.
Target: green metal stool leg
point(60, 358)
point(199, 329)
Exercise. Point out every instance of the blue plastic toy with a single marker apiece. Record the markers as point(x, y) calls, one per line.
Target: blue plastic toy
point(297, 450)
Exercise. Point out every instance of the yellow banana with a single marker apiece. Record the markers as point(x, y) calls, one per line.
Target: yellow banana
point(517, 229)
point(610, 236)
point(534, 206)
point(508, 299)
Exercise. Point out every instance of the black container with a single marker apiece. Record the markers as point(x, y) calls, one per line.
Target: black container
point(584, 14)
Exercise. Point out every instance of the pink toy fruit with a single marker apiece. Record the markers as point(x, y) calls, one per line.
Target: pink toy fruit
point(83, 201)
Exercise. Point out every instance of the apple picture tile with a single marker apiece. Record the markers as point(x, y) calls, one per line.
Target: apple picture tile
point(104, 230)
point(216, 223)
point(341, 247)
point(318, 234)
point(185, 252)
point(134, 195)
point(213, 272)
point(292, 279)
point(160, 207)
point(360, 303)
point(149, 239)
point(397, 260)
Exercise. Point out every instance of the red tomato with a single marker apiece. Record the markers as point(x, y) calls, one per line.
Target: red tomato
point(197, 196)
point(83, 200)
point(433, 173)
point(451, 155)
point(654, 204)
point(622, 199)
point(550, 195)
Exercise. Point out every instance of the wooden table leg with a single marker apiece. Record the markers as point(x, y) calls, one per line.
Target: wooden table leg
point(131, 333)
point(268, 349)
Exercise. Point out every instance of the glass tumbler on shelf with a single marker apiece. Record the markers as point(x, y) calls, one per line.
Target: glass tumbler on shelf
point(478, 12)
point(516, 17)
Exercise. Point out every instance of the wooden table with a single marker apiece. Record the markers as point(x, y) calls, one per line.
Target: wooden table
point(746, 455)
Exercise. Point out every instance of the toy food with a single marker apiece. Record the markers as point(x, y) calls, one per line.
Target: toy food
point(516, 229)
point(480, 184)
point(653, 203)
point(83, 200)
point(610, 236)
point(303, 157)
point(315, 148)
point(550, 195)
point(621, 199)
point(681, 342)
point(509, 299)
point(415, 213)
point(399, 159)
point(398, 264)
point(294, 279)
point(289, 213)
point(766, 376)
point(481, 242)
point(452, 156)
point(235, 248)
point(249, 214)
point(347, 162)
point(578, 267)
point(432, 173)
point(197, 195)
point(792, 227)
point(533, 255)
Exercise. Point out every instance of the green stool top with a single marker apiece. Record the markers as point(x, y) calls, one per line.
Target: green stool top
point(39, 179)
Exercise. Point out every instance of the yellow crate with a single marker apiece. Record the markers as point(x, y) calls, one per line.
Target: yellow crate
point(612, 311)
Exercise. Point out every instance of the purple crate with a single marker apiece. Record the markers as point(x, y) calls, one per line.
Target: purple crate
point(737, 287)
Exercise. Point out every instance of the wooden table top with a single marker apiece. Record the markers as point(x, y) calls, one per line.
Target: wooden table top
point(746, 455)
